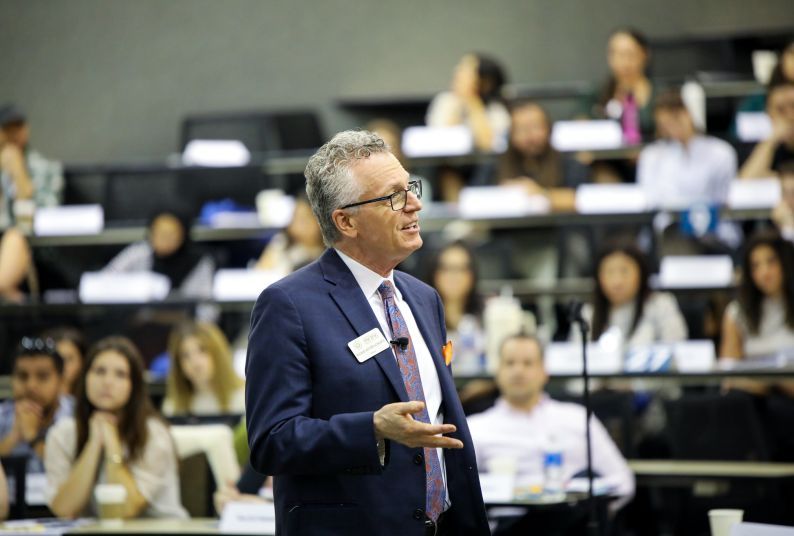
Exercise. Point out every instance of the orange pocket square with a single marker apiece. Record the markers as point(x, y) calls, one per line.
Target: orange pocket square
point(446, 350)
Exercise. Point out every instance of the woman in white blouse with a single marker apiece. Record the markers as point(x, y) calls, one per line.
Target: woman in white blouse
point(624, 301)
point(761, 321)
point(115, 437)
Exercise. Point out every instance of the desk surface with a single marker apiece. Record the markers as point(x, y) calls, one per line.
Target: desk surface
point(713, 469)
point(156, 526)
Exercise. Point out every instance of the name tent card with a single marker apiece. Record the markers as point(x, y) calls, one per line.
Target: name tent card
point(248, 518)
point(69, 220)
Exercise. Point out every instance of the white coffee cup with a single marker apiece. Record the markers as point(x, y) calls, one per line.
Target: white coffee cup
point(722, 520)
point(110, 500)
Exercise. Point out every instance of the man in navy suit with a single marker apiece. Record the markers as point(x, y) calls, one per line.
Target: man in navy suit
point(350, 402)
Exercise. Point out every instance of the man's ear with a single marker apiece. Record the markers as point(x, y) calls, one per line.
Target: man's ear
point(345, 222)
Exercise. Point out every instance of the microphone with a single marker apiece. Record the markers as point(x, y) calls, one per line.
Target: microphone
point(575, 314)
point(401, 342)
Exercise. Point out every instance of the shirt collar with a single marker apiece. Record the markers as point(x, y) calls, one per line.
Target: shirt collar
point(368, 280)
point(504, 406)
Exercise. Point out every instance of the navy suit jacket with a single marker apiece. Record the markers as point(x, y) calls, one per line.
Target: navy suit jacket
point(310, 404)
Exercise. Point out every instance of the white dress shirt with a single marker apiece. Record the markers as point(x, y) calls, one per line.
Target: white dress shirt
point(676, 176)
point(504, 431)
point(369, 282)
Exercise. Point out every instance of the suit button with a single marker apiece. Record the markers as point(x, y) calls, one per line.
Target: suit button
point(419, 459)
point(419, 514)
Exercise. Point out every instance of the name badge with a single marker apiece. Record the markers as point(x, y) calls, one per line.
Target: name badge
point(371, 343)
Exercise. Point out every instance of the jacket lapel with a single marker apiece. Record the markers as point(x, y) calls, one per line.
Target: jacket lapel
point(354, 306)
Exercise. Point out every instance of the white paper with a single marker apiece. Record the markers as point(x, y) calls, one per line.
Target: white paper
point(586, 135)
point(69, 220)
point(216, 153)
point(248, 517)
point(565, 358)
point(240, 284)
point(754, 193)
point(610, 199)
point(694, 356)
point(696, 271)
point(753, 127)
point(499, 202)
point(758, 529)
point(123, 287)
point(437, 141)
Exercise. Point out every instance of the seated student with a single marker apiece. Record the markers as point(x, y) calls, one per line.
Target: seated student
point(684, 167)
point(783, 213)
point(761, 321)
point(525, 420)
point(771, 154)
point(115, 437)
point(15, 264)
point(623, 300)
point(37, 404)
point(299, 244)
point(71, 345)
point(532, 162)
point(474, 100)
point(783, 71)
point(453, 273)
point(201, 379)
point(168, 250)
point(24, 173)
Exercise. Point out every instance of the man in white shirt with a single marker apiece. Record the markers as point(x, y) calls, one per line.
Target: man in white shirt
point(684, 167)
point(524, 421)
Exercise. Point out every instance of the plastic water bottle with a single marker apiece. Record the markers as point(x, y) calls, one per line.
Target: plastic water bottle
point(553, 479)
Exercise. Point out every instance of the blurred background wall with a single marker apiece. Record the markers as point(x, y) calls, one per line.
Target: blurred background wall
point(111, 79)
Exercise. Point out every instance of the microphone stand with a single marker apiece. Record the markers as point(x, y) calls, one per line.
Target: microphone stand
point(575, 316)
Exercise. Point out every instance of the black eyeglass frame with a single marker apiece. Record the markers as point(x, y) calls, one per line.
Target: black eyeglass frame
point(414, 186)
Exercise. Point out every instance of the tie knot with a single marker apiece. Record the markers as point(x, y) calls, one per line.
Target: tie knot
point(386, 290)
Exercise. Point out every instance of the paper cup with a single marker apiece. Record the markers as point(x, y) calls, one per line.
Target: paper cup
point(110, 500)
point(721, 521)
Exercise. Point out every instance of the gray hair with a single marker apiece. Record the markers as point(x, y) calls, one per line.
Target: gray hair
point(329, 180)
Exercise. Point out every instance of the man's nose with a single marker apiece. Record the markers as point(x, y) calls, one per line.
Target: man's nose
point(413, 203)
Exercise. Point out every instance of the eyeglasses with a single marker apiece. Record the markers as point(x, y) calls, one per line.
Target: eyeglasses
point(397, 199)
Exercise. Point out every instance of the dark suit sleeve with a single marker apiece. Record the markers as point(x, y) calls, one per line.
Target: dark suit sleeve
point(282, 435)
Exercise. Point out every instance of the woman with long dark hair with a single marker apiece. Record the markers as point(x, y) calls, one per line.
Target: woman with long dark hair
point(761, 321)
point(453, 273)
point(624, 300)
point(115, 437)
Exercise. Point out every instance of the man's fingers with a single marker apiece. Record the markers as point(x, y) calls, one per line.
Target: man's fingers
point(433, 429)
point(406, 408)
point(437, 442)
